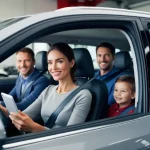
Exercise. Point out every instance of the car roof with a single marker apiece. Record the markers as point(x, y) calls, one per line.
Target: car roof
point(32, 19)
point(105, 10)
point(86, 10)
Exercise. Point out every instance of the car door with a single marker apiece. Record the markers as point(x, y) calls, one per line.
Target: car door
point(100, 134)
point(8, 81)
point(146, 24)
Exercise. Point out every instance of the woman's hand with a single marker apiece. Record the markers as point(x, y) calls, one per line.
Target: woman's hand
point(4, 110)
point(23, 122)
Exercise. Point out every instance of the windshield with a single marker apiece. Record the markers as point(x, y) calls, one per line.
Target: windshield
point(8, 22)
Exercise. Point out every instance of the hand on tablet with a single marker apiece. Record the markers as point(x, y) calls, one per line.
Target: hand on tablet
point(24, 123)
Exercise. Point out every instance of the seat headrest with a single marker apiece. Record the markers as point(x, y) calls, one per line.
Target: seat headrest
point(41, 61)
point(122, 60)
point(84, 63)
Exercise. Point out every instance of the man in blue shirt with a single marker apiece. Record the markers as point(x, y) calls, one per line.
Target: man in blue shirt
point(30, 82)
point(105, 55)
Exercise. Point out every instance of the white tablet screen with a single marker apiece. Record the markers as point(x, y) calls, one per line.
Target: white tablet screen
point(9, 102)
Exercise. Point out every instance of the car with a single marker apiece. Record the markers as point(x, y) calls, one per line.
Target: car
point(85, 27)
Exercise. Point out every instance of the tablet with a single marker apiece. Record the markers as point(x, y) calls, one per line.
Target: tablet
point(9, 102)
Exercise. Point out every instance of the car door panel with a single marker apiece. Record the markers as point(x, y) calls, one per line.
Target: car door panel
point(94, 138)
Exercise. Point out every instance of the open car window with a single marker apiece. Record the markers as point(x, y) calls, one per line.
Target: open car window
point(83, 35)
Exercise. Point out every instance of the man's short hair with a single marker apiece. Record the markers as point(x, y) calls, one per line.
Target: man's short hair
point(27, 50)
point(107, 45)
point(128, 79)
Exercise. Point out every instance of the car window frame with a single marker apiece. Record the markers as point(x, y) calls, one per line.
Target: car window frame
point(75, 18)
point(146, 42)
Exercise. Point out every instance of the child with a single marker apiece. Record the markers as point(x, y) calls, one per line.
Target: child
point(124, 95)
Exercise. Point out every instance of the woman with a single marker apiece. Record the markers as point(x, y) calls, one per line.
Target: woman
point(61, 65)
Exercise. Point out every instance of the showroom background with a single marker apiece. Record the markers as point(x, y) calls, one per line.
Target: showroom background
point(11, 8)
point(14, 8)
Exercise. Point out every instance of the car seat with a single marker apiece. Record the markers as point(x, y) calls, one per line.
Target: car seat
point(42, 65)
point(98, 89)
point(41, 61)
point(123, 61)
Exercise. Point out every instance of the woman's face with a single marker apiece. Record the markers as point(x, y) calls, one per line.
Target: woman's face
point(59, 66)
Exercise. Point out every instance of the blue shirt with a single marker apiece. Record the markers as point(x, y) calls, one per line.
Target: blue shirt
point(111, 83)
point(24, 82)
point(32, 92)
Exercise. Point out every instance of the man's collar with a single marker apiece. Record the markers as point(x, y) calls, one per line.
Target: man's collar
point(113, 70)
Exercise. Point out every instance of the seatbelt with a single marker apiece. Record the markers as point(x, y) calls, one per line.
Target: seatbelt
point(51, 121)
point(126, 111)
point(115, 74)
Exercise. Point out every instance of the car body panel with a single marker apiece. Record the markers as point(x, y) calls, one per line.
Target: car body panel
point(121, 137)
point(67, 12)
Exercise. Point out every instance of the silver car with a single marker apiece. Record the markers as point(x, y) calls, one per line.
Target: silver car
point(85, 27)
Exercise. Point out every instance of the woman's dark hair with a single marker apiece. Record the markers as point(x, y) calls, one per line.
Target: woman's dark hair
point(66, 50)
point(129, 79)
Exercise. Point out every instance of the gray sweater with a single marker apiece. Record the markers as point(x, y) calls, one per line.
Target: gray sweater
point(74, 112)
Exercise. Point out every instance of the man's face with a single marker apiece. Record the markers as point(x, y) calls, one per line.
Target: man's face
point(25, 63)
point(104, 59)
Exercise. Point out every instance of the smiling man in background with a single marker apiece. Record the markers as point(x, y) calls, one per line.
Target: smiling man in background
point(105, 55)
point(30, 82)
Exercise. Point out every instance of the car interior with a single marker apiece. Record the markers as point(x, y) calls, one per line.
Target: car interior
point(83, 42)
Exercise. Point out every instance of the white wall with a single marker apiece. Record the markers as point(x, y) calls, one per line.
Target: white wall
point(36, 6)
point(11, 8)
point(109, 3)
point(143, 6)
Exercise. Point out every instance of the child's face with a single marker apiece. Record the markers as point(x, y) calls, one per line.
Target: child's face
point(123, 94)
